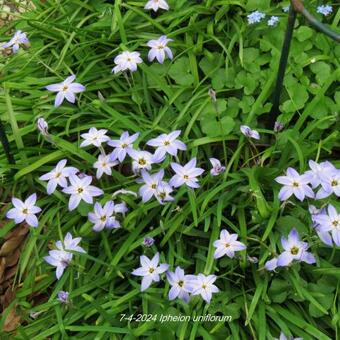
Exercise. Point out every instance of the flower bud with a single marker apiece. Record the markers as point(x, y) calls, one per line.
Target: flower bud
point(43, 127)
point(63, 297)
point(148, 241)
point(212, 94)
point(278, 127)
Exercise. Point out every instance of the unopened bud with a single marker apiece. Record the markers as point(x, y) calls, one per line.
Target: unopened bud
point(148, 241)
point(43, 127)
point(63, 297)
point(212, 94)
point(278, 127)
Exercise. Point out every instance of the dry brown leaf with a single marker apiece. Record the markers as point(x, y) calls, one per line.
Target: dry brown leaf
point(17, 231)
point(10, 273)
point(2, 267)
point(5, 284)
point(12, 321)
point(12, 259)
point(7, 297)
point(10, 252)
point(11, 245)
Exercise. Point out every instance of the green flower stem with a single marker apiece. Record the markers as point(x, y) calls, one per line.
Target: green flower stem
point(5, 144)
point(218, 113)
point(275, 110)
point(299, 7)
point(296, 7)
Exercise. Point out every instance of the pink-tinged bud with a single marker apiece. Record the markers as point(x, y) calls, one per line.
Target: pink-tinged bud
point(212, 94)
point(148, 241)
point(278, 127)
point(63, 297)
point(43, 127)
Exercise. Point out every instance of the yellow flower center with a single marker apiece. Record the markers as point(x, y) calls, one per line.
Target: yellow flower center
point(162, 195)
point(296, 184)
point(334, 183)
point(80, 190)
point(181, 283)
point(186, 177)
point(25, 211)
point(151, 270)
point(141, 161)
point(294, 250)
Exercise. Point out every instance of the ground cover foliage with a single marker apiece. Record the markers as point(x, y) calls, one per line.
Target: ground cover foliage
point(215, 48)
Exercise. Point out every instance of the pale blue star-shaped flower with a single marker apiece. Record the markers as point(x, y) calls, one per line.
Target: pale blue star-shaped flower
point(330, 184)
point(159, 49)
point(66, 90)
point(104, 165)
point(151, 183)
point(81, 190)
point(70, 243)
point(144, 159)
point(103, 216)
point(329, 223)
point(127, 61)
point(181, 284)
point(204, 285)
point(59, 259)
point(163, 192)
point(186, 174)
point(58, 176)
point(122, 146)
point(150, 270)
point(318, 171)
point(294, 184)
point(167, 143)
point(24, 211)
point(18, 39)
point(94, 137)
point(155, 5)
point(324, 236)
point(294, 250)
point(227, 244)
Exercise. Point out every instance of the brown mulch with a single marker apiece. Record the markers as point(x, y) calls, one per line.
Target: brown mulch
point(10, 250)
point(9, 9)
